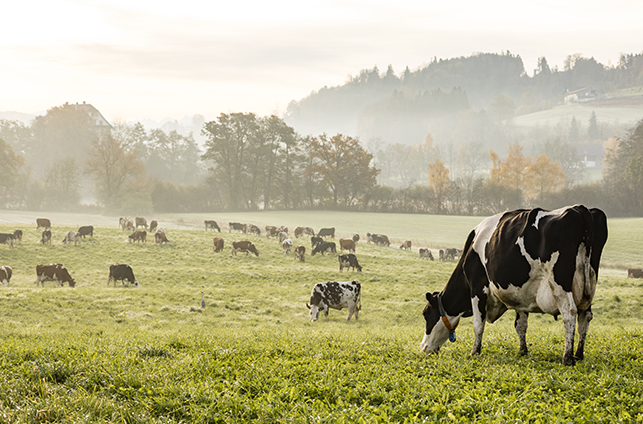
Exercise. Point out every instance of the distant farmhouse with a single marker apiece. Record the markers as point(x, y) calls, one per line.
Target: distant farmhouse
point(97, 117)
point(591, 155)
point(582, 95)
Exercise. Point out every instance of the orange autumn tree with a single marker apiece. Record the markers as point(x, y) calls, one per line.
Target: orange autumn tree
point(439, 181)
point(532, 176)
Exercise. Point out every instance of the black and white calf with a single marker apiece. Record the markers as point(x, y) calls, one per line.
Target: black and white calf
point(349, 261)
point(527, 260)
point(336, 295)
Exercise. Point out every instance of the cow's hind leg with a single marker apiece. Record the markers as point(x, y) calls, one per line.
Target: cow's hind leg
point(479, 304)
point(521, 328)
point(584, 317)
point(567, 308)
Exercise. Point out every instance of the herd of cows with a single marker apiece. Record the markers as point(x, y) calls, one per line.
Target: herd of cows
point(531, 261)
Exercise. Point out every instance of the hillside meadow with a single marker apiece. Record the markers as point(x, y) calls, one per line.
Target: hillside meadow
point(151, 354)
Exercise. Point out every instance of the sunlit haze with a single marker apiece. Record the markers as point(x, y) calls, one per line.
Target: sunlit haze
point(148, 59)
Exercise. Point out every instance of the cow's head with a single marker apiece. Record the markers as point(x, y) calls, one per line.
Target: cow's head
point(72, 283)
point(436, 332)
point(315, 305)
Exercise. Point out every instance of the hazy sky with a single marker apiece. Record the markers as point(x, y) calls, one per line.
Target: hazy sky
point(136, 59)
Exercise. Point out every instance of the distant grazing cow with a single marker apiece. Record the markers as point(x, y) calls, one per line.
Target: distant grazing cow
point(5, 274)
point(379, 239)
point(528, 260)
point(271, 231)
point(17, 236)
point(252, 229)
point(141, 222)
point(237, 226)
point(160, 238)
point(161, 230)
point(217, 244)
point(450, 254)
point(635, 273)
point(335, 295)
point(347, 244)
point(244, 246)
point(87, 230)
point(46, 237)
point(301, 231)
point(43, 223)
point(72, 237)
point(284, 229)
point(154, 226)
point(349, 261)
point(128, 225)
point(326, 232)
point(123, 273)
point(6, 239)
point(211, 225)
point(325, 246)
point(287, 246)
point(300, 253)
point(314, 241)
point(406, 245)
point(426, 253)
point(138, 236)
point(53, 272)
point(355, 238)
point(282, 236)
point(121, 222)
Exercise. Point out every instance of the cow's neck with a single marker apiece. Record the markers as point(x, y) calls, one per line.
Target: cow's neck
point(456, 297)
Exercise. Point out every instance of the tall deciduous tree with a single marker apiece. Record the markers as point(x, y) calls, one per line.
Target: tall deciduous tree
point(440, 182)
point(544, 176)
point(120, 178)
point(62, 185)
point(512, 171)
point(343, 166)
point(230, 137)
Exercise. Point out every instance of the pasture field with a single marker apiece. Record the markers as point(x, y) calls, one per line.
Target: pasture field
point(151, 354)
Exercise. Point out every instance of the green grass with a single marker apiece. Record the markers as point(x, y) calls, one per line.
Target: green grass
point(151, 354)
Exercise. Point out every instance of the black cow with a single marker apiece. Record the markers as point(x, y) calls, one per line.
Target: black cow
point(6, 239)
point(123, 273)
point(314, 241)
point(237, 226)
point(324, 246)
point(46, 237)
point(212, 225)
point(87, 230)
point(326, 232)
point(17, 236)
point(349, 261)
point(527, 260)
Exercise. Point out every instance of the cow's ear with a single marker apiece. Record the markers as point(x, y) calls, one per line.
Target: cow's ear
point(429, 296)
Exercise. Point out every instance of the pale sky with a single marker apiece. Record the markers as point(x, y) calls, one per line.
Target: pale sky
point(135, 59)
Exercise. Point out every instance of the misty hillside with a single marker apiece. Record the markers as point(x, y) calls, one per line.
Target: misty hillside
point(478, 92)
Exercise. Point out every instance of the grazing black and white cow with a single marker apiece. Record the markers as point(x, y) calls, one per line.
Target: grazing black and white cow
point(287, 246)
point(72, 237)
point(349, 261)
point(527, 260)
point(324, 246)
point(87, 230)
point(46, 237)
point(17, 236)
point(6, 238)
point(5, 274)
point(237, 226)
point(326, 232)
point(425, 253)
point(212, 225)
point(336, 295)
point(251, 229)
point(123, 273)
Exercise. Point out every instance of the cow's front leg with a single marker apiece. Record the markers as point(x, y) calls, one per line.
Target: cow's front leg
point(479, 306)
point(584, 317)
point(521, 328)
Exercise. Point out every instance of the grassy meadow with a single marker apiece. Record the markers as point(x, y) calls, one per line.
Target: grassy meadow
point(151, 354)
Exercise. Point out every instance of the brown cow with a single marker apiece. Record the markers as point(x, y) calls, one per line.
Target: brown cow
point(406, 245)
point(244, 246)
point(300, 253)
point(252, 229)
point(138, 236)
point(347, 244)
point(141, 222)
point(17, 236)
point(153, 226)
point(53, 272)
point(217, 244)
point(5, 274)
point(635, 273)
point(271, 231)
point(161, 238)
point(128, 225)
point(426, 253)
point(300, 231)
point(43, 223)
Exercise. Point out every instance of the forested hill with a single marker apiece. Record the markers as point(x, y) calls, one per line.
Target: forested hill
point(404, 108)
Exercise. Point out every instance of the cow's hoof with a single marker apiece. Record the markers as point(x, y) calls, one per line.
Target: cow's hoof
point(569, 361)
point(522, 352)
